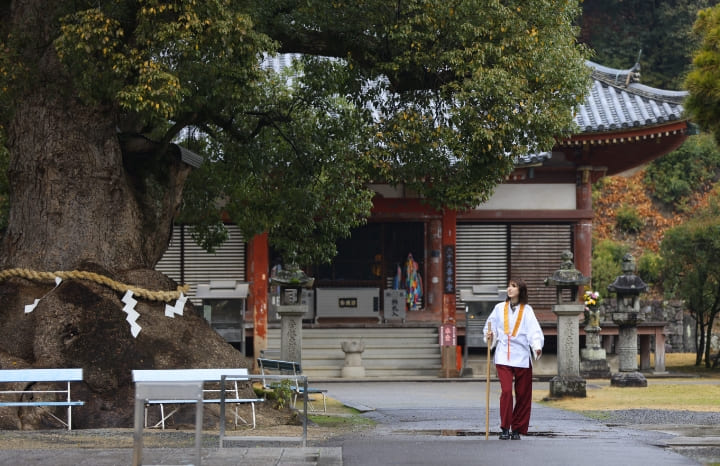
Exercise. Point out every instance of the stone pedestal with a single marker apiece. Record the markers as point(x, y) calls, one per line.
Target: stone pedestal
point(353, 359)
point(628, 375)
point(291, 331)
point(628, 288)
point(628, 379)
point(574, 386)
point(290, 282)
point(568, 381)
point(593, 359)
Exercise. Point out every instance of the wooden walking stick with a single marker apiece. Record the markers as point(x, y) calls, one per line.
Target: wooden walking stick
point(487, 384)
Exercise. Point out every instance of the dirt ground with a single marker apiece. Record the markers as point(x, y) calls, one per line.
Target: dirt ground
point(152, 438)
point(338, 420)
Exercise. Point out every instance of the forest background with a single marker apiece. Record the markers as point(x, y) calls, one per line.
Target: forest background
point(665, 213)
point(635, 209)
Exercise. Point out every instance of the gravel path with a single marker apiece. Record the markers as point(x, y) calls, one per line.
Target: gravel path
point(661, 416)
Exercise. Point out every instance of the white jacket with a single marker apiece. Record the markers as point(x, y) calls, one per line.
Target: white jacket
point(529, 335)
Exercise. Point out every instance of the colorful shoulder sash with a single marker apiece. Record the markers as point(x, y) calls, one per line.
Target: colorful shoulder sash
point(515, 328)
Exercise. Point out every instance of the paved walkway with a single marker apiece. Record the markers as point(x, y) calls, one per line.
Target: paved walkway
point(434, 422)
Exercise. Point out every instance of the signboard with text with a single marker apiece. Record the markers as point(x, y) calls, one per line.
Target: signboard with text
point(449, 269)
point(448, 335)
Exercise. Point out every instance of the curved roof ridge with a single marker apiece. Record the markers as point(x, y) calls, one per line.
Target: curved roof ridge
point(616, 100)
point(629, 79)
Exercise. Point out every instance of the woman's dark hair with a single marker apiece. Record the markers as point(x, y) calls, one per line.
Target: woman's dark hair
point(522, 288)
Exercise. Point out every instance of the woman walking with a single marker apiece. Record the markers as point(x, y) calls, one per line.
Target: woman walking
point(517, 338)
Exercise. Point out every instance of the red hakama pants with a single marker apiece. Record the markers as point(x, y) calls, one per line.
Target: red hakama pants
point(515, 418)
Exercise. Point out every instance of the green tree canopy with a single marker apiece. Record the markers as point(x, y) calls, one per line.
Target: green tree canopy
point(702, 82)
point(691, 257)
point(440, 96)
point(691, 168)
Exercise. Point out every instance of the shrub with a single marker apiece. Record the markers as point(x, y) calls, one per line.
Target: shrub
point(690, 168)
point(649, 267)
point(628, 220)
point(606, 263)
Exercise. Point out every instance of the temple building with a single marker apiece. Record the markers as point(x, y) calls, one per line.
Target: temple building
point(404, 270)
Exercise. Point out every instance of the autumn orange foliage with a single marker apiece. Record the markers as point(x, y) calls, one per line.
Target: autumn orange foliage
point(611, 193)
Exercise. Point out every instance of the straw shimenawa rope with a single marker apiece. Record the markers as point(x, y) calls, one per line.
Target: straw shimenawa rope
point(97, 278)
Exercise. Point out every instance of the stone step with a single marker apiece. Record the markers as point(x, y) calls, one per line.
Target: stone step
point(350, 330)
point(369, 343)
point(389, 373)
point(406, 361)
point(404, 352)
point(378, 352)
point(358, 332)
point(410, 344)
point(310, 355)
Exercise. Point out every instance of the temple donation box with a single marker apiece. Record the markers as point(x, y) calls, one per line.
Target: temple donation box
point(223, 303)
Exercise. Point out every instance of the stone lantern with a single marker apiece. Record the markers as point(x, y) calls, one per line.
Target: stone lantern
point(628, 287)
point(568, 382)
point(290, 281)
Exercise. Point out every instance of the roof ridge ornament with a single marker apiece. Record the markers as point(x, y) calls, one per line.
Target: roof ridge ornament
point(633, 75)
point(634, 72)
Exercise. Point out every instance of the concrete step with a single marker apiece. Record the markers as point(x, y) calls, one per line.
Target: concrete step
point(393, 352)
point(369, 343)
point(334, 372)
point(379, 350)
point(431, 371)
point(362, 330)
point(367, 360)
point(369, 363)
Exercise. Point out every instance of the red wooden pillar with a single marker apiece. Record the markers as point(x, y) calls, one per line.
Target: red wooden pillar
point(583, 228)
point(258, 269)
point(449, 351)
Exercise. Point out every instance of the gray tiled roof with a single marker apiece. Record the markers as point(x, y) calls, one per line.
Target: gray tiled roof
point(616, 102)
point(532, 159)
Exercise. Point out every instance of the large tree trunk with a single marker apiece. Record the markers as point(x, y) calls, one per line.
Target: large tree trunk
point(72, 199)
point(82, 200)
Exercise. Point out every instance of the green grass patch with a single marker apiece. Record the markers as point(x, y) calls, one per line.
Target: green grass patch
point(330, 420)
point(699, 392)
point(673, 394)
point(339, 416)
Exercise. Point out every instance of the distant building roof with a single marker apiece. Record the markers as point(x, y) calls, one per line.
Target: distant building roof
point(617, 100)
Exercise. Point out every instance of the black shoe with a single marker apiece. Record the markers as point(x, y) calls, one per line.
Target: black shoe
point(515, 435)
point(505, 434)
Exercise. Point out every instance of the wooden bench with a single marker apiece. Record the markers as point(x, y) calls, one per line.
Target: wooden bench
point(197, 375)
point(30, 377)
point(293, 369)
